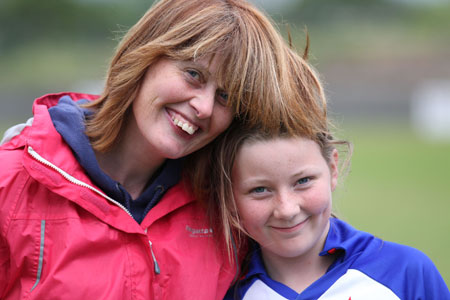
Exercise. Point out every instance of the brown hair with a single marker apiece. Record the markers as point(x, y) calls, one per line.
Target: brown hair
point(256, 71)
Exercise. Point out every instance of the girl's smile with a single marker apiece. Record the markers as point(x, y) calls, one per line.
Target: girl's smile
point(282, 188)
point(291, 229)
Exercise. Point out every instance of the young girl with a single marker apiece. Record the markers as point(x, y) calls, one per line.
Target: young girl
point(281, 196)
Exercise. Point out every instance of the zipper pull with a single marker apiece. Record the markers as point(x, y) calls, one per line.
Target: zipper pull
point(157, 270)
point(155, 263)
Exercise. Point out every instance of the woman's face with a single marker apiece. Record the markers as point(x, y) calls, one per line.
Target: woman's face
point(180, 107)
point(282, 188)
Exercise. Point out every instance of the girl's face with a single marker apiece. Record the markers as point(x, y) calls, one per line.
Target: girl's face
point(179, 108)
point(282, 189)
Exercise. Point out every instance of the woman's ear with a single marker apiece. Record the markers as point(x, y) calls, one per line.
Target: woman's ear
point(334, 172)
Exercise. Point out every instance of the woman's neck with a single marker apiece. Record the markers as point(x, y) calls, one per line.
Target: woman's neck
point(130, 163)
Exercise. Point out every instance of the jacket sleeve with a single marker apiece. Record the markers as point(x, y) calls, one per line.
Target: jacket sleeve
point(4, 265)
point(12, 179)
point(15, 130)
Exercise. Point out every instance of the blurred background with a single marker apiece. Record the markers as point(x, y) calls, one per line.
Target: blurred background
point(386, 69)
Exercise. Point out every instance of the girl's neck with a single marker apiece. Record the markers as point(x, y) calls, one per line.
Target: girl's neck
point(298, 272)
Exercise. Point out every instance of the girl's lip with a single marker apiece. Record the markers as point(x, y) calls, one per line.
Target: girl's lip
point(291, 228)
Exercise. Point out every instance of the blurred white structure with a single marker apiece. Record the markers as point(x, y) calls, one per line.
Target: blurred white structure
point(422, 2)
point(430, 110)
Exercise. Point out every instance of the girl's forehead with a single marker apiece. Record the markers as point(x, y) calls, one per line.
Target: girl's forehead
point(295, 145)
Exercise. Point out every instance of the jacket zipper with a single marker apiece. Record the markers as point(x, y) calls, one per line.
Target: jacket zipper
point(41, 256)
point(155, 262)
point(74, 180)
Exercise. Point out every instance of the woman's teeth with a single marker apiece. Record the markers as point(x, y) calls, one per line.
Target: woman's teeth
point(185, 126)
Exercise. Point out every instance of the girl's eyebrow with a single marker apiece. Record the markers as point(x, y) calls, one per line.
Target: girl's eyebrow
point(307, 170)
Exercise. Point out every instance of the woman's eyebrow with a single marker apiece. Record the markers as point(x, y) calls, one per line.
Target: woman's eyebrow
point(203, 67)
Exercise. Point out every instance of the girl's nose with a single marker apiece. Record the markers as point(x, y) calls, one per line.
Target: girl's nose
point(287, 206)
point(203, 102)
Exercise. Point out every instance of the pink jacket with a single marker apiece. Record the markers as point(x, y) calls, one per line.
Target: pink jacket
point(62, 238)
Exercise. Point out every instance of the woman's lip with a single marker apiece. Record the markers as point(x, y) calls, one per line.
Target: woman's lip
point(178, 129)
point(291, 228)
point(184, 118)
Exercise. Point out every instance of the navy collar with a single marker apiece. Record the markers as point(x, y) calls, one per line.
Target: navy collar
point(342, 239)
point(256, 265)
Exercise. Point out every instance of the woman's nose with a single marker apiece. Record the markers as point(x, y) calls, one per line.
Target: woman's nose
point(287, 206)
point(203, 102)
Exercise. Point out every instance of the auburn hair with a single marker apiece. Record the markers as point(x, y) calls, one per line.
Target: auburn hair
point(256, 71)
point(302, 112)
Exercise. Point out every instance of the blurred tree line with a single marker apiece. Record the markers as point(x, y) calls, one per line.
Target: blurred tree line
point(24, 21)
point(340, 25)
point(50, 45)
point(434, 14)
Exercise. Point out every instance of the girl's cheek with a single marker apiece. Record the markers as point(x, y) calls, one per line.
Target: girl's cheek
point(317, 201)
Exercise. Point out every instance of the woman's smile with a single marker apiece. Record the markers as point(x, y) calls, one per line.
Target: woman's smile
point(178, 111)
point(182, 122)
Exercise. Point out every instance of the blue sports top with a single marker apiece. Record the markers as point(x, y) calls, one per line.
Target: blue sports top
point(365, 267)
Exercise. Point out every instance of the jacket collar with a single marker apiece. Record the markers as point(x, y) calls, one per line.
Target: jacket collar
point(48, 143)
point(69, 120)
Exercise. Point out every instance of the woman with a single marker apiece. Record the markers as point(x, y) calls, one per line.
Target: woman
point(90, 199)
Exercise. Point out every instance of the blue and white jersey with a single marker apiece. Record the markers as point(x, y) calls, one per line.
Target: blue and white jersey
point(365, 268)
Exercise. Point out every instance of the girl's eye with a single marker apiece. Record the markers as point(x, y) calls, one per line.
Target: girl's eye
point(304, 180)
point(194, 74)
point(259, 190)
point(223, 97)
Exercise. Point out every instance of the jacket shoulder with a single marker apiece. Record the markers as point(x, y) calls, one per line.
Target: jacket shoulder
point(13, 177)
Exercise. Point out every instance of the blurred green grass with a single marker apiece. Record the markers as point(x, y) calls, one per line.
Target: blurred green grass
point(398, 189)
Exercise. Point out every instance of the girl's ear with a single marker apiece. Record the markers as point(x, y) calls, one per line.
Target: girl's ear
point(334, 172)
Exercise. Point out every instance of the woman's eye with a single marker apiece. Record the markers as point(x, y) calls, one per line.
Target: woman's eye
point(194, 74)
point(223, 97)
